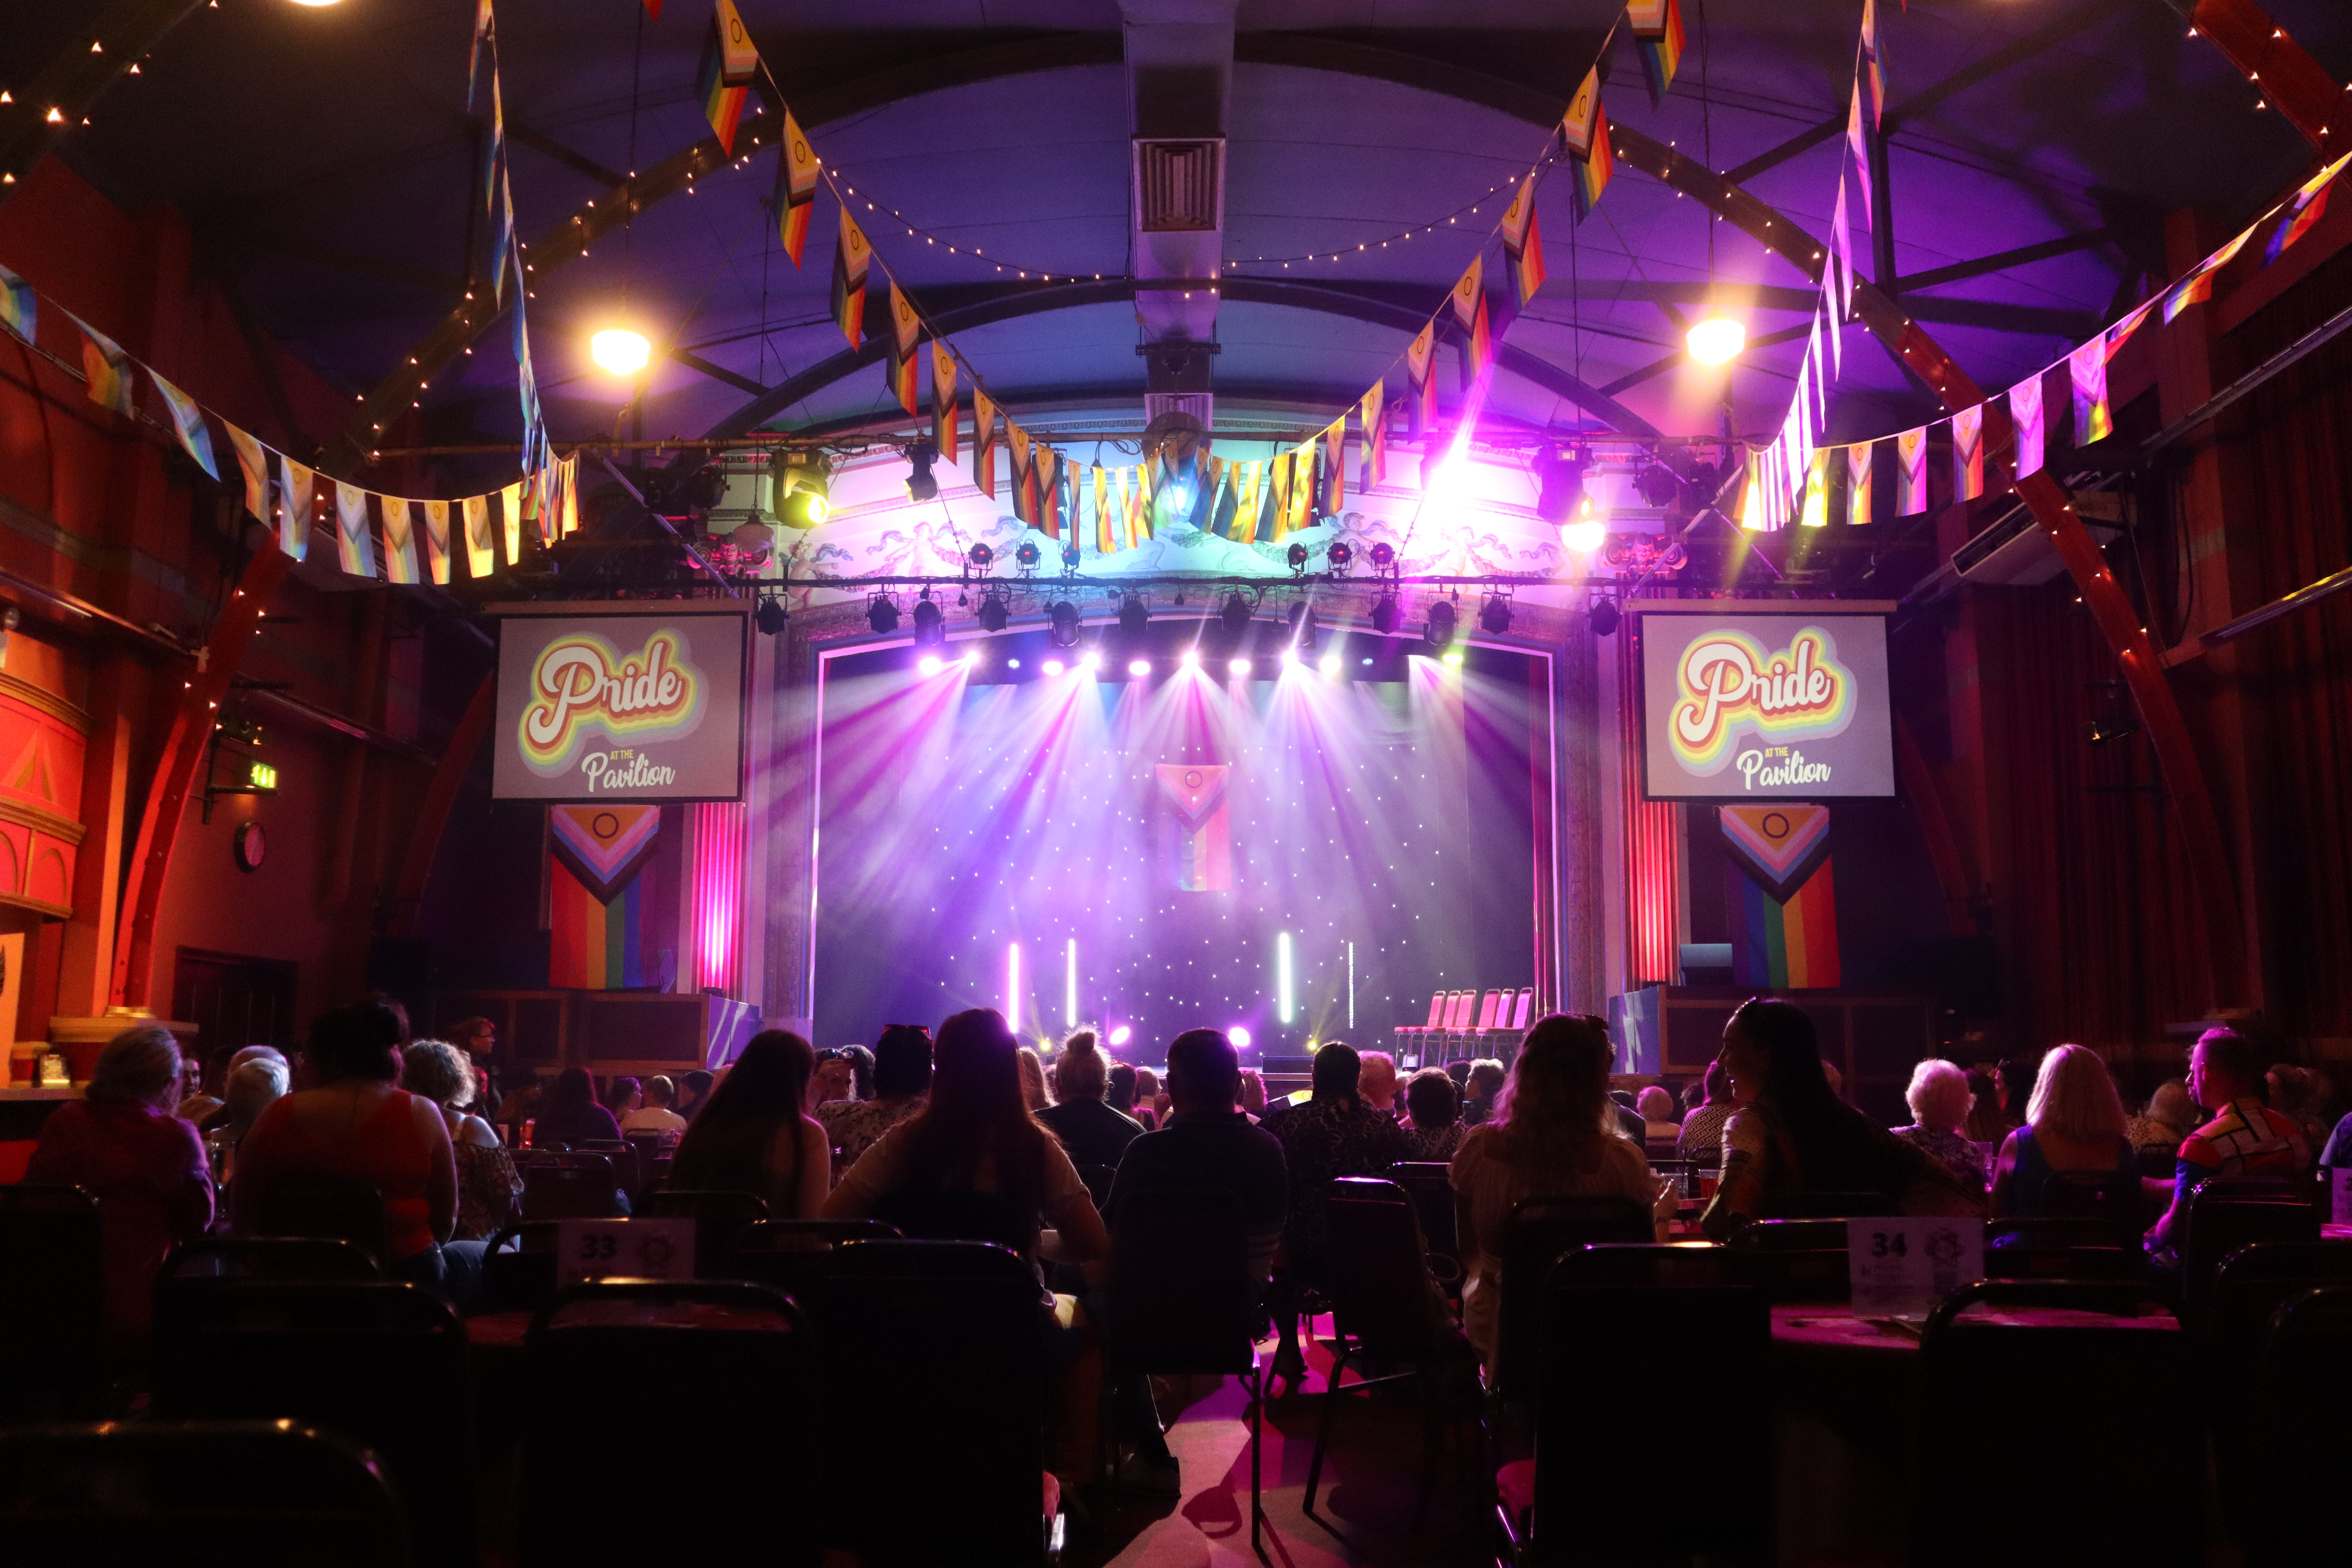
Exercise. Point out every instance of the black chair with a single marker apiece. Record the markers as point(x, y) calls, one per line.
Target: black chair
point(1430, 1184)
point(519, 1272)
point(1649, 1307)
point(719, 1218)
point(52, 1304)
point(1984, 1390)
point(2050, 1230)
point(1537, 1231)
point(1835, 1206)
point(382, 1362)
point(582, 1187)
point(2219, 1218)
point(2114, 1197)
point(2061, 1247)
point(241, 1494)
point(935, 1394)
point(1383, 1313)
point(715, 1398)
point(2301, 1448)
point(1796, 1259)
point(787, 1253)
point(268, 1258)
point(2251, 1286)
point(956, 1216)
point(307, 1204)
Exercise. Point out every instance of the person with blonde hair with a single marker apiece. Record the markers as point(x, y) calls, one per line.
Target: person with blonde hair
point(1377, 1084)
point(1940, 1098)
point(1033, 1079)
point(2170, 1116)
point(1095, 1135)
point(2073, 1128)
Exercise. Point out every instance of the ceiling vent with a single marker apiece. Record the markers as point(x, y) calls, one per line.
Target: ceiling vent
point(1180, 185)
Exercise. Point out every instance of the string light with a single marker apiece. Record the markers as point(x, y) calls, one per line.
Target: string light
point(1432, 227)
point(932, 237)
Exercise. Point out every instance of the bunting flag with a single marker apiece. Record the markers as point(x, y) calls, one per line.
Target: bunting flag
point(1046, 464)
point(482, 25)
point(2308, 206)
point(1482, 348)
point(906, 333)
point(2025, 417)
point(1110, 499)
point(1025, 477)
point(1817, 490)
point(729, 58)
point(850, 260)
point(437, 540)
point(294, 507)
point(1420, 359)
point(510, 521)
point(943, 402)
point(1305, 487)
point(1860, 145)
point(1101, 477)
point(1279, 472)
point(189, 421)
point(18, 311)
point(2198, 287)
point(354, 551)
point(254, 463)
point(106, 366)
point(1139, 508)
point(796, 174)
point(1911, 472)
point(1870, 76)
point(1373, 411)
point(1658, 38)
point(1523, 240)
point(2087, 368)
point(1249, 498)
point(1196, 845)
point(399, 541)
point(653, 9)
point(1858, 483)
point(1841, 251)
point(1751, 495)
point(569, 515)
point(481, 550)
point(1468, 290)
point(1580, 124)
point(1967, 453)
point(983, 442)
point(2121, 332)
point(1593, 169)
point(1820, 366)
point(1333, 497)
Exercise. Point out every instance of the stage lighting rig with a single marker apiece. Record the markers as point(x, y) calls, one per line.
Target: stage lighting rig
point(1383, 556)
point(1133, 615)
point(1296, 556)
point(1495, 615)
point(1385, 615)
point(981, 556)
point(769, 616)
point(1237, 613)
point(882, 615)
point(1560, 488)
point(930, 622)
point(1659, 485)
point(803, 493)
point(1341, 555)
point(1070, 556)
point(1028, 555)
point(920, 485)
point(1306, 628)
point(1604, 617)
point(1439, 634)
point(1062, 623)
point(993, 613)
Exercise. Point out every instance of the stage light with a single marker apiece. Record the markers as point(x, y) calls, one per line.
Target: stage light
point(1306, 628)
point(1133, 615)
point(1368, 664)
point(1453, 657)
point(1120, 1035)
point(1089, 664)
point(1011, 664)
point(1028, 555)
point(803, 507)
point(769, 615)
point(993, 613)
point(921, 486)
point(882, 615)
point(1585, 535)
point(1053, 667)
point(928, 664)
point(1718, 340)
point(1330, 665)
point(1281, 975)
point(1239, 666)
point(1240, 1036)
point(1439, 634)
point(1289, 656)
point(1296, 556)
point(1604, 617)
point(1070, 556)
point(1070, 988)
point(1494, 616)
point(1190, 659)
point(620, 350)
point(1139, 667)
point(1013, 987)
point(1384, 614)
point(1341, 555)
point(1236, 614)
point(930, 622)
point(1560, 488)
point(981, 555)
point(1062, 623)
point(1659, 485)
point(1384, 555)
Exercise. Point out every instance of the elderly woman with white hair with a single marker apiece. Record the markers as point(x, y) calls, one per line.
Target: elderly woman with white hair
point(1940, 1098)
point(146, 1167)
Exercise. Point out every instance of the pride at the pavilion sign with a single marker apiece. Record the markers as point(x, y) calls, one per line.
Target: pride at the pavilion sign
point(1765, 706)
point(620, 707)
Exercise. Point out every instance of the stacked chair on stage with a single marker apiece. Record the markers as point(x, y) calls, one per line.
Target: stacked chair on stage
point(1465, 1026)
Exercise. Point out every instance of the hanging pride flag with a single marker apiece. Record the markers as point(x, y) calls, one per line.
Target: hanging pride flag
point(1858, 483)
point(1373, 409)
point(1842, 248)
point(1967, 453)
point(906, 333)
point(1195, 845)
point(1024, 474)
point(437, 540)
point(984, 441)
point(2198, 287)
point(943, 401)
point(601, 922)
point(795, 197)
point(1593, 169)
point(1139, 507)
point(2025, 415)
point(1911, 472)
point(294, 504)
point(353, 548)
point(728, 60)
point(1581, 125)
point(1788, 944)
point(1334, 495)
point(2308, 207)
point(253, 462)
point(188, 420)
point(1817, 490)
point(850, 257)
point(2087, 368)
point(1420, 359)
point(399, 541)
point(511, 521)
point(1658, 38)
point(481, 548)
point(1523, 242)
point(19, 310)
point(107, 367)
point(1870, 74)
point(1859, 144)
point(570, 511)
point(1468, 290)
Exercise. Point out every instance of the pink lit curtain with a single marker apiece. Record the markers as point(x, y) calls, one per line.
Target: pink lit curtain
point(715, 891)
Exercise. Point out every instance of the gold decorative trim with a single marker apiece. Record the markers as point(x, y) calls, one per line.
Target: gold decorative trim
point(42, 821)
point(62, 911)
point(49, 703)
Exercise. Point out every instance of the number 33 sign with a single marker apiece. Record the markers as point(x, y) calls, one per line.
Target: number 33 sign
point(623, 1249)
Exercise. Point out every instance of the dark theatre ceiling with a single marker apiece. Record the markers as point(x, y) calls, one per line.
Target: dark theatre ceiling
point(328, 164)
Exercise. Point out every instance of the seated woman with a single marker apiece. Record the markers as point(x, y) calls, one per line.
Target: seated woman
point(356, 1126)
point(569, 1113)
point(1553, 1133)
point(1792, 1135)
point(2073, 1127)
point(1939, 1100)
point(902, 1076)
point(2171, 1117)
point(755, 1135)
point(489, 1192)
point(1434, 1108)
point(121, 1143)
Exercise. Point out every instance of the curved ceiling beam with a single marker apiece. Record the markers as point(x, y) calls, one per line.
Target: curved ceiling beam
point(1035, 300)
point(2276, 67)
point(90, 61)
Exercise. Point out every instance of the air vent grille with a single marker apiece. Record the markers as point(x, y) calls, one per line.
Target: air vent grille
point(1178, 186)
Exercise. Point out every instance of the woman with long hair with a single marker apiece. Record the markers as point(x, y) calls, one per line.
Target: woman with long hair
point(1792, 1135)
point(1553, 1133)
point(2074, 1126)
point(753, 1136)
point(571, 1113)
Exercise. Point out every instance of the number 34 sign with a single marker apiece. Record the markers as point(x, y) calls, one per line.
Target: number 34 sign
point(623, 1249)
point(1902, 1268)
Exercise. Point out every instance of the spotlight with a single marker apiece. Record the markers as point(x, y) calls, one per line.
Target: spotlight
point(981, 556)
point(1191, 659)
point(1604, 617)
point(1028, 555)
point(930, 622)
point(1384, 555)
point(882, 615)
point(1289, 656)
point(993, 613)
point(921, 486)
point(1133, 615)
point(1495, 617)
point(803, 495)
point(1368, 664)
point(1070, 556)
point(1239, 1037)
point(769, 615)
point(1384, 613)
point(1331, 664)
point(1586, 534)
point(1306, 629)
point(1053, 667)
point(1139, 667)
point(1341, 555)
point(1236, 614)
point(928, 664)
point(1439, 635)
point(1296, 556)
point(1659, 485)
point(1718, 340)
point(1089, 664)
point(1239, 666)
point(1011, 664)
point(1453, 657)
point(1122, 1035)
point(1560, 488)
point(620, 350)
point(1062, 623)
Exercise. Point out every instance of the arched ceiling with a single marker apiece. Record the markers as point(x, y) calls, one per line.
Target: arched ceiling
point(326, 162)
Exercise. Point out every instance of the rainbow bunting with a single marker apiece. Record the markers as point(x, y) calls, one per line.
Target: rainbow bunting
point(399, 541)
point(2086, 369)
point(510, 516)
point(19, 310)
point(850, 257)
point(983, 442)
point(2309, 205)
point(1752, 493)
point(795, 197)
point(729, 58)
point(2025, 417)
point(1334, 495)
point(1858, 483)
point(188, 420)
point(1658, 38)
point(1911, 472)
point(570, 514)
point(481, 548)
point(1468, 290)
point(1858, 142)
point(1871, 76)
point(1100, 486)
point(437, 540)
point(295, 503)
point(1577, 126)
point(1842, 250)
point(1816, 513)
point(943, 401)
point(1482, 345)
point(253, 462)
point(1967, 453)
point(1373, 410)
point(106, 366)
point(1139, 508)
point(354, 551)
point(906, 333)
point(1023, 476)
point(1593, 171)
point(1046, 472)
point(1523, 242)
point(1420, 359)
point(2198, 287)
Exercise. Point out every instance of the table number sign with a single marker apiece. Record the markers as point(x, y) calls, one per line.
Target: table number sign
point(1901, 1266)
point(623, 1249)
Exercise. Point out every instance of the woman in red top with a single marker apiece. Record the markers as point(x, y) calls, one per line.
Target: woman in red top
point(145, 1166)
point(355, 1124)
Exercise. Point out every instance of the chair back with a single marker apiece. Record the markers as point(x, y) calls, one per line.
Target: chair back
point(268, 1258)
point(2139, 1459)
point(2052, 1230)
point(583, 1190)
point(1378, 1278)
point(1649, 1266)
point(235, 1494)
point(1520, 1019)
point(1429, 1184)
point(1487, 1008)
point(2218, 1220)
point(310, 1203)
point(951, 1215)
point(382, 1362)
point(1835, 1206)
point(52, 1303)
point(2249, 1289)
point(2301, 1447)
point(520, 1267)
point(1796, 1259)
point(1457, 1010)
point(787, 1253)
point(700, 1390)
point(1178, 1291)
point(1437, 1009)
point(1537, 1231)
point(719, 1220)
point(2113, 1196)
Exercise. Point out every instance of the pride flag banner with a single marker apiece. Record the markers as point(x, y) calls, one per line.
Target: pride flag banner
point(1780, 894)
point(598, 914)
point(1195, 843)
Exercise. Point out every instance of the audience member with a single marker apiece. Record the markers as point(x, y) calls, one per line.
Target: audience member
point(1335, 1133)
point(861, 1070)
point(209, 1093)
point(522, 1102)
point(356, 1125)
point(1791, 1136)
point(2074, 1127)
point(1032, 1069)
point(1378, 1083)
point(1091, 1132)
point(2170, 1116)
point(2301, 1095)
point(1119, 1088)
point(490, 1189)
point(754, 1136)
point(1434, 1107)
point(1938, 1096)
point(2015, 1076)
point(1701, 1137)
point(836, 1078)
point(1552, 1135)
point(1458, 1070)
point(1485, 1080)
point(477, 1037)
point(253, 1085)
point(1984, 1122)
point(1629, 1121)
point(693, 1092)
point(121, 1143)
point(2338, 1153)
point(2245, 1138)
point(1252, 1094)
point(1657, 1107)
point(571, 1115)
point(655, 1114)
point(623, 1096)
point(902, 1076)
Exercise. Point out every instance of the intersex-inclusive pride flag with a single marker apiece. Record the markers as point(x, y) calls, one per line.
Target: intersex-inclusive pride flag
point(598, 913)
point(1195, 843)
point(1781, 891)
